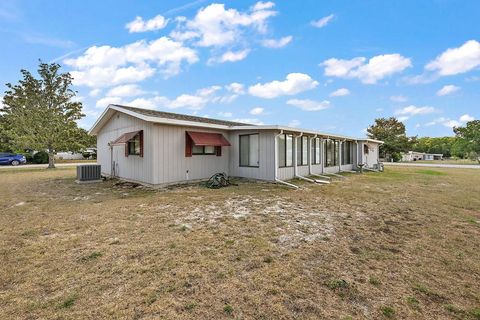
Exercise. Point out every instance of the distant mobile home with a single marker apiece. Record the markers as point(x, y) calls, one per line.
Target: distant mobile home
point(416, 156)
point(160, 148)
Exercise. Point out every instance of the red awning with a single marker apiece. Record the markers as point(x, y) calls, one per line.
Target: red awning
point(208, 139)
point(124, 138)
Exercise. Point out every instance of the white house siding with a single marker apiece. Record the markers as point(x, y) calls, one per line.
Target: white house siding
point(266, 168)
point(347, 167)
point(303, 170)
point(133, 168)
point(285, 173)
point(317, 168)
point(170, 164)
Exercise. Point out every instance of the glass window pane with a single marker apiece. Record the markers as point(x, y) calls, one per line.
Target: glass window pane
point(244, 150)
point(209, 149)
point(197, 149)
point(305, 150)
point(281, 150)
point(253, 152)
point(289, 150)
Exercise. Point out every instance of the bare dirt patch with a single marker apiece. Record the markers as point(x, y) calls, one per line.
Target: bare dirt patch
point(401, 244)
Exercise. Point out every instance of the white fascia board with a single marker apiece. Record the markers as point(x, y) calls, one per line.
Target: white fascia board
point(370, 140)
point(290, 129)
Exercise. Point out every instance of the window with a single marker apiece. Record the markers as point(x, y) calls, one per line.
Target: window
point(302, 151)
point(285, 150)
point(331, 153)
point(198, 150)
point(249, 150)
point(316, 151)
point(134, 146)
point(347, 151)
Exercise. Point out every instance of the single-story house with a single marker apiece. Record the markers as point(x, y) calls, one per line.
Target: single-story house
point(416, 156)
point(160, 148)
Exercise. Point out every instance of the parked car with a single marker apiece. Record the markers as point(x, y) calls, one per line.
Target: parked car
point(12, 158)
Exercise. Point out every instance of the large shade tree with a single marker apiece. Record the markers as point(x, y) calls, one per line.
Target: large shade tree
point(41, 113)
point(470, 138)
point(392, 133)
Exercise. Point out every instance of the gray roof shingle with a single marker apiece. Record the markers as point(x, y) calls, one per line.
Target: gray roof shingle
point(184, 117)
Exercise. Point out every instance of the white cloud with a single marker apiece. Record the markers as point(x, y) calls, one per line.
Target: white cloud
point(236, 88)
point(257, 111)
point(249, 121)
point(403, 118)
point(94, 92)
point(377, 67)
point(450, 123)
point(323, 21)
point(225, 114)
point(127, 90)
point(414, 110)
point(230, 56)
point(398, 98)
point(309, 105)
point(448, 89)
point(293, 84)
point(196, 101)
point(294, 123)
point(457, 60)
point(466, 118)
point(105, 101)
point(340, 92)
point(216, 26)
point(104, 77)
point(140, 25)
point(277, 43)
point(263, 5)
point(108, 66)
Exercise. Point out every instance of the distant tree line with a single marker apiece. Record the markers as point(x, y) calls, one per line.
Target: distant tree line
point(465, 144)
point(41, 114)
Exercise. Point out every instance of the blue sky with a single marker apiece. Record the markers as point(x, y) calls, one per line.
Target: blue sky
point(333, 66)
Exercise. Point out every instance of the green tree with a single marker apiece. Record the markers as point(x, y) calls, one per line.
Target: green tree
point(40, 113)
point(441, 145)
point(392, 133)
point(470, 138)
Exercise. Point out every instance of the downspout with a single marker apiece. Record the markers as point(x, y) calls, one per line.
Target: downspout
point(275, 157)
point(322, 155)
point(295, 169)
point(311, 154)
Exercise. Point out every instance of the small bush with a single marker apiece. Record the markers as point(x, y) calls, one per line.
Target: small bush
point(388, 312)
point(268, 259)
point(92, 256)
point(413, 302)
point(337, 284)
point(228, 309)
point(28, 156)
point(40, 157)
point(374, 281)
point(67, 303)
point(475, 313)
point(191, 306)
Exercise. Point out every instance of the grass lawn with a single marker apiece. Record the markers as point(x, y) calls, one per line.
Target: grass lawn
point(401, 244)
point(75, 161)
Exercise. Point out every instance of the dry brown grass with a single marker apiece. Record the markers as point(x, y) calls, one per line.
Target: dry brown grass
point(402, 244)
